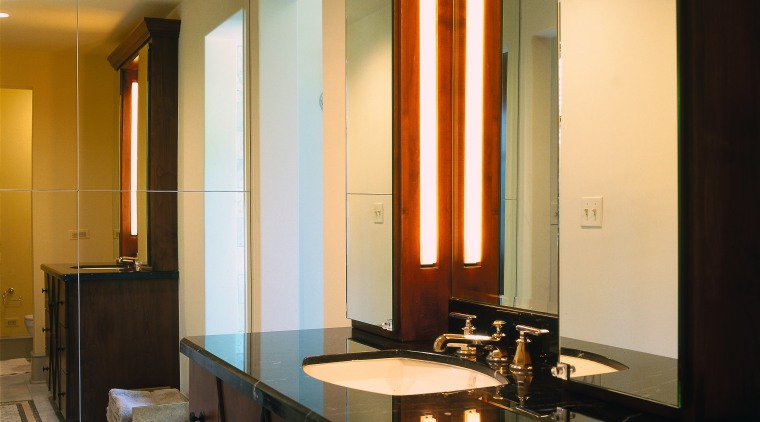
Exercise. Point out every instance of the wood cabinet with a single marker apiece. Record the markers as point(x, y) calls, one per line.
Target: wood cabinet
point(219, 401)
point(109, 330)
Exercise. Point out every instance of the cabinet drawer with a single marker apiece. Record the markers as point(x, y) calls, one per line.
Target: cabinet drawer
point(61, 398)
point(62, 349)
point(61, 307)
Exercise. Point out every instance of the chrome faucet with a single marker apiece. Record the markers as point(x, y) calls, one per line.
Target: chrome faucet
point(522, 361)
point(127, 261)
point(132, 262)
point(468, 341)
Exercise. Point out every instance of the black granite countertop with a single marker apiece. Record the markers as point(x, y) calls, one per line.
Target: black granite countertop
point(649, 376)
point(94, 271)
point(267, 367)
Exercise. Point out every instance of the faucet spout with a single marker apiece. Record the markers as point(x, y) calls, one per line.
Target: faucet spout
point(450, 340)
point(132, 262)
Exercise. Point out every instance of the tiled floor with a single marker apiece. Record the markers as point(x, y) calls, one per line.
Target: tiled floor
point(18, 387)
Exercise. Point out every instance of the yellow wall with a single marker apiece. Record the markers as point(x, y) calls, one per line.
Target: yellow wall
point(15, 209)
point(58, 173)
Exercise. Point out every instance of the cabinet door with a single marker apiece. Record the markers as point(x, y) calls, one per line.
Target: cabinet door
point(47, 329)
point(206, 392)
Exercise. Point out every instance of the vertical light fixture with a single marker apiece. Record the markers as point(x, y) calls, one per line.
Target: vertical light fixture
point(473, 132)
point(133, 163)
point(428, 82)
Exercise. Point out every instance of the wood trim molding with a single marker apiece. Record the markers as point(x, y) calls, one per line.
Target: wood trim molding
point(147, 29)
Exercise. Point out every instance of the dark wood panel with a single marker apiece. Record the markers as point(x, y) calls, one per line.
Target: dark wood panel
point(719, 129)
point(125, 335)
point(129, 338)
point(162, 150)
point(202, 393)
point(206, 391)
point(421, 294)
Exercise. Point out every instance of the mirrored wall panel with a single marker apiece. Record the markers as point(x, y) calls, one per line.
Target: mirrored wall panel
point(619, 192)
point(369, 161)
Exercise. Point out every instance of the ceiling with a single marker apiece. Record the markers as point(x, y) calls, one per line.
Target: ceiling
point(52, 24)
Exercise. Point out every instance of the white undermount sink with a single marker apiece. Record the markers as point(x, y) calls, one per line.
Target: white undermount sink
point(399, 372)
point(585, 363)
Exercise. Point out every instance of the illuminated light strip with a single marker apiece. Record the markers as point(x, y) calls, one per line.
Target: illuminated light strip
point(428, 79)
point(133, 163)
point(473, 133)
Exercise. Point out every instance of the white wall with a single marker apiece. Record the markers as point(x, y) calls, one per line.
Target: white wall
point(277, 166)
point(619, 141)
point(226, 209)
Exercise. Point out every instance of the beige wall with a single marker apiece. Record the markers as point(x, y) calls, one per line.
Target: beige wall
point(619, 141)
point(334, 165)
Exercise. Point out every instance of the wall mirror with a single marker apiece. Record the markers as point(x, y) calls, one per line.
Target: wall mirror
point(369, 161)
point(64, 182)
point(590, 205)
point(614, 154)
point(618, 156)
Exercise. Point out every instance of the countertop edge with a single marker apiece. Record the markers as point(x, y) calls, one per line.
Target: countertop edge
point(61, 270)
point(265, 396)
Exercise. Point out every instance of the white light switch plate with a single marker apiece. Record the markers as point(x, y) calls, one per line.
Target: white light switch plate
point(591, 211)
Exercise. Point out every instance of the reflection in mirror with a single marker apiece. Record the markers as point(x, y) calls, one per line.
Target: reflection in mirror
point(214, 218)
point(15, 215)
point(98, 217)
point(225, 213)
point(530, 150)
point(369, 160)
point(38, 171)
point(619, 290)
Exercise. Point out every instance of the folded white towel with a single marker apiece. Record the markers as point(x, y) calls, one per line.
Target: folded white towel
point(109, 415)
point(167, 395)
point(121, 402)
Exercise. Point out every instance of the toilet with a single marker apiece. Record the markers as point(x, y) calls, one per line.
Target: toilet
point(29, 322)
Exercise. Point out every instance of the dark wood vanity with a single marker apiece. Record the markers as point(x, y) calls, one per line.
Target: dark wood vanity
point(108, 329)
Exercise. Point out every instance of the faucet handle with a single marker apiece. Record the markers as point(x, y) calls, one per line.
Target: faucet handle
point(530, 330)
point(468, 328)
point(498, 324)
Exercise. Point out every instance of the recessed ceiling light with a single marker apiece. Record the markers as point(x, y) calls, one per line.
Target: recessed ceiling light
point(3, 15)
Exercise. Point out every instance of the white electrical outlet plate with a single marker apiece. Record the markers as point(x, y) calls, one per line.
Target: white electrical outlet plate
point(591, 211)
point(79, 234)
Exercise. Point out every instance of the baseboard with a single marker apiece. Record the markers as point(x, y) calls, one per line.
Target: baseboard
point(39, 376)
point(15, 347)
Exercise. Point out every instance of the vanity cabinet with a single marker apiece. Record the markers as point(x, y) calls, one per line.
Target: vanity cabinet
point(108, 329)
point(218, 400)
